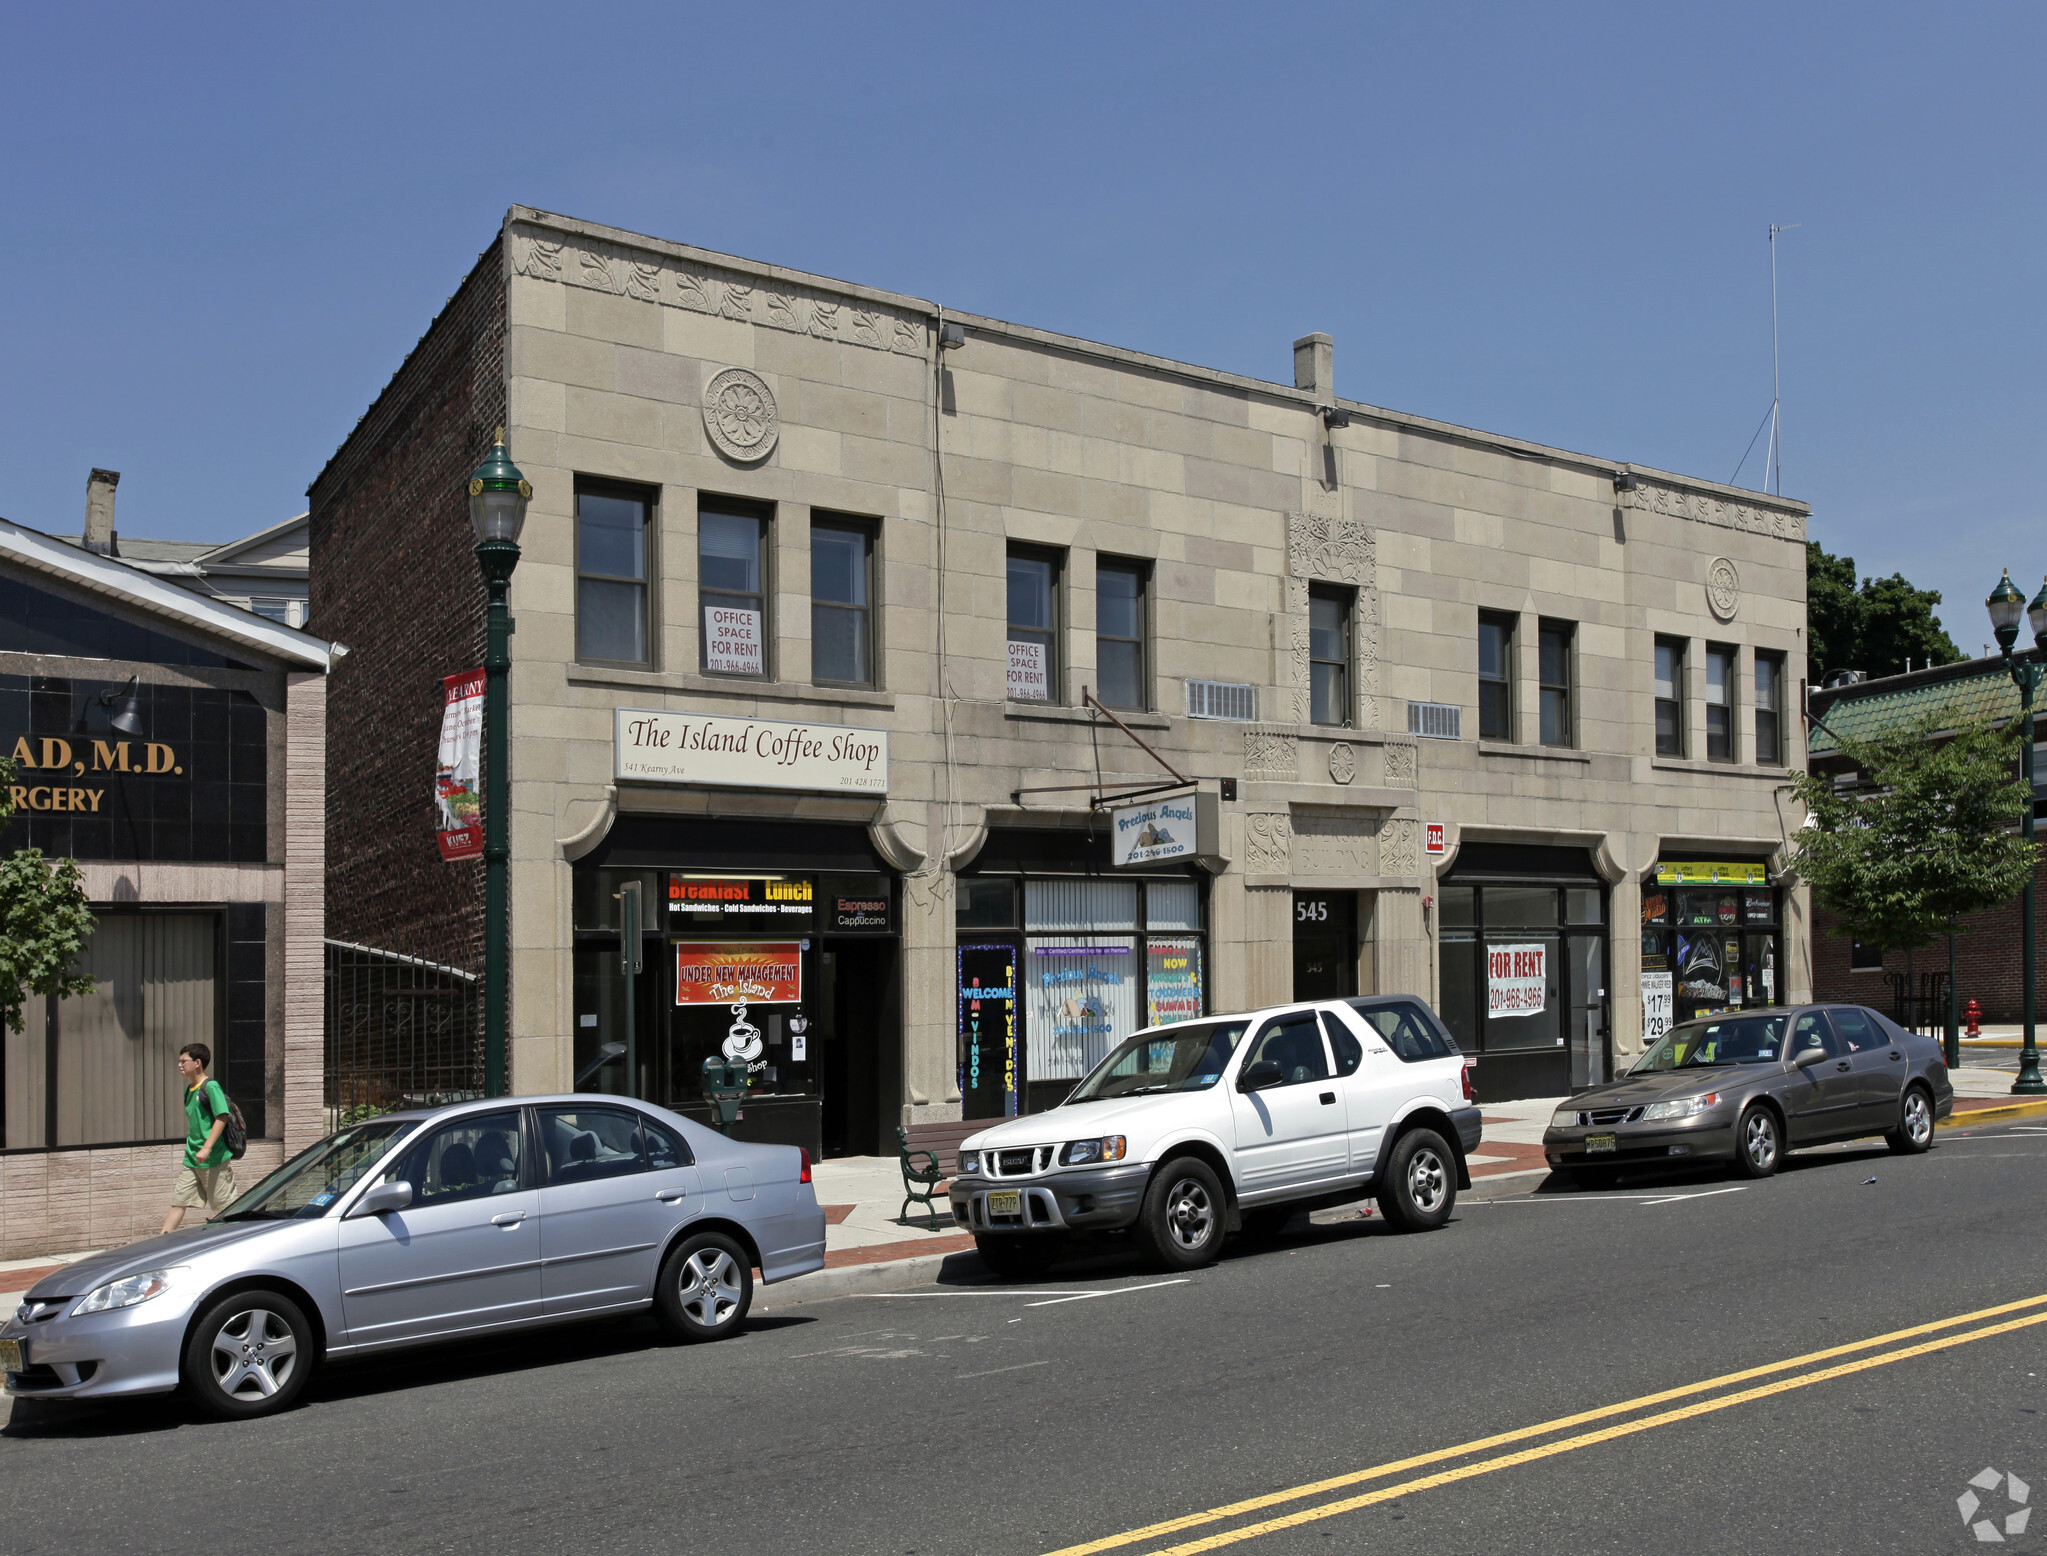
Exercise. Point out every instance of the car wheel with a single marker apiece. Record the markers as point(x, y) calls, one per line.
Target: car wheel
point(1915, 1124)
point(1181, 1223)
point(1420, 1188)
point(704, 1289)
point(249, 1355)
point(1020, 1256)
point(1758, 1143)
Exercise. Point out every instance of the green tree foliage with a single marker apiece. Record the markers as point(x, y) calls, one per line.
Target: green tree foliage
point(1875, 627)
point(43, 922)
point(1934, 840)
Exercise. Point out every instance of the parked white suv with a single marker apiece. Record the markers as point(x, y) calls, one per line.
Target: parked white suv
point(1187, 1133)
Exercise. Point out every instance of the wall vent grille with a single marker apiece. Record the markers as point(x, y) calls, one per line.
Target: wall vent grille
point(1435, 720)
point(1222, 700)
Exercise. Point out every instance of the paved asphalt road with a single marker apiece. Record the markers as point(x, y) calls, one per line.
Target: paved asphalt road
point(999, 1420)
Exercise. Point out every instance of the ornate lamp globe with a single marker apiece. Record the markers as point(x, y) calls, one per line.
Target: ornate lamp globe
point(2006, 605)
point(498, 496)
point(2036, 614)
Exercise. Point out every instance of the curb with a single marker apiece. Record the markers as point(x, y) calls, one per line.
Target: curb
point(853, 1280)
point(1996, 1115)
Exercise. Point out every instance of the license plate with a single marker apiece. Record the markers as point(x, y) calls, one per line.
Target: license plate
point(1006, 1202)
point(1602, 1143)
point(11, 1359)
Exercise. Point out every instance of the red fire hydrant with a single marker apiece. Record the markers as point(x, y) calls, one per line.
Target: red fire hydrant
point(1972, 1013)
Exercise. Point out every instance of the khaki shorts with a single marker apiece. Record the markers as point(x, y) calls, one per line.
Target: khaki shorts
point(204, 1188)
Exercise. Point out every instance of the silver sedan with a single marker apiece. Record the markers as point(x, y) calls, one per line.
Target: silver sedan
point(423, 1226)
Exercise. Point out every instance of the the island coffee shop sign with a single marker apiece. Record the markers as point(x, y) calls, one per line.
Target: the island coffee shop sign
point(651, 746)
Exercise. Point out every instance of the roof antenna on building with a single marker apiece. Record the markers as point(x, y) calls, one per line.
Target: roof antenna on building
point(1773, 455)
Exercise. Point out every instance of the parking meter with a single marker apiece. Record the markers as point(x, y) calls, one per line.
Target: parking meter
point(724, 1090)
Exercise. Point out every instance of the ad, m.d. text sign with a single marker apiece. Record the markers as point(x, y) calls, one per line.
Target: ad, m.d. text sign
point(652, 746)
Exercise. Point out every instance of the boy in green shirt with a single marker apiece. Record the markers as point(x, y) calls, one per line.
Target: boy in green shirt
point(207, 1178)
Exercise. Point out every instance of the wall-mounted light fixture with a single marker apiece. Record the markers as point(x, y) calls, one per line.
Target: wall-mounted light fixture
point(1335, 416)
point(951, 337)
point(1625, 481)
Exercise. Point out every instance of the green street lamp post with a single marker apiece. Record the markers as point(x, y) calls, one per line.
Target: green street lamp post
point(497, 509)
point(2006, 605)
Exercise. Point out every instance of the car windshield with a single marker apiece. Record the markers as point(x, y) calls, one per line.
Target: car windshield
point(307, 1185)
point(1729, 1040)
point(1179, 1058)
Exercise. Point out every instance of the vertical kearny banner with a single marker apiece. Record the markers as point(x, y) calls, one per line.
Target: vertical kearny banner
point(459, 770)
point(652, 746)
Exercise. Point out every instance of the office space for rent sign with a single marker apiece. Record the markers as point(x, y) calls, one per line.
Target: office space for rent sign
point(1517, 979)
point(655, 746)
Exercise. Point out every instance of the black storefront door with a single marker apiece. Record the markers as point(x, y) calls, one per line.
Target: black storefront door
point(855, 1003)
point(1325, 945)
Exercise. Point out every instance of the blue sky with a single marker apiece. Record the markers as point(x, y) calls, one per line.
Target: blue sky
point(225, 226)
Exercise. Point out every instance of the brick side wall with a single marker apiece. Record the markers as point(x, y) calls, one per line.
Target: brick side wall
point(1987, 960)
point(394, 579)
point(59, 1202)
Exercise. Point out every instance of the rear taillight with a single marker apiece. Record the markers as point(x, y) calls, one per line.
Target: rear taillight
point(804, 1176)
point(1466, 1072)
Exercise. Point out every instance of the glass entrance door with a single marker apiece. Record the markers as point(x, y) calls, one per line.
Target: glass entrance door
point(1587, 1022)
point(1325, 945)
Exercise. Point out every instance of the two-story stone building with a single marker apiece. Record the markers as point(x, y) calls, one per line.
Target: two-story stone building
point(814, 581)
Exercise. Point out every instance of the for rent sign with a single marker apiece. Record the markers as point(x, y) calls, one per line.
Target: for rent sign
point(652, 746)
point(1517, 979)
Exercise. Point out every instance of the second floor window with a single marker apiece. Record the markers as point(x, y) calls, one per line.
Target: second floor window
point(1329, 656)
point(1719, 704)
point(1119, 634)
point(1670, 691)
point(1555, 672)
point(1495, 677)
point(1769, 709)
point(611, 576)
point(841, 620)
point(1033, 625)
point(732, 589)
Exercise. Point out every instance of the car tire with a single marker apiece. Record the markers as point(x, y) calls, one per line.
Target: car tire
point(1915, 1123)
point(1020, 1256)
point(1420, 1187)
point(250, 1354)
point(1758, 1142)
point(1180, 1225)
point(704, 1289)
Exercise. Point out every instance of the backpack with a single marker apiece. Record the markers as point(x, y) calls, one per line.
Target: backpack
point(236, 1136)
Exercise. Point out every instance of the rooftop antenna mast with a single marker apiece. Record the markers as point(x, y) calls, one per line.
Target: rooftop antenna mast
point(1773, 457)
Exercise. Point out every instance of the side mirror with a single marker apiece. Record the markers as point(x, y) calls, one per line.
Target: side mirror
point(383, 1197)
point(1806, 1058)
point(1257, 1077)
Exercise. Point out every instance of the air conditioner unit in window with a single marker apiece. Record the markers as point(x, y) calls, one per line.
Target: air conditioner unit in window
point(1222, 700)
point(1435, 720)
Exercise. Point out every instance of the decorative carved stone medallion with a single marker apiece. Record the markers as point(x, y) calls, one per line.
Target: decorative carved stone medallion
point(1723, 588)
point(740, 415)
point(1343, 762)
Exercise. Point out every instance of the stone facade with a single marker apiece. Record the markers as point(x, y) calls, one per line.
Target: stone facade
point(1241, 497)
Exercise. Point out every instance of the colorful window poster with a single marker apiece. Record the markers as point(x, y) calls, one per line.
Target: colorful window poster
point(1172, 988)
point(988, 1078)
point(756, 972)
point(1081, 999)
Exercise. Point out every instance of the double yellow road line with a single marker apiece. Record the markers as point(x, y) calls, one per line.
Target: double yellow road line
point(2032, 1310)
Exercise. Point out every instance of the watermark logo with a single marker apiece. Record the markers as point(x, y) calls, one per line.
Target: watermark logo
point(2016, 1495)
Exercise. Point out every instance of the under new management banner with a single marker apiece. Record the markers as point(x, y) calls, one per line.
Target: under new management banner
point(652, 746)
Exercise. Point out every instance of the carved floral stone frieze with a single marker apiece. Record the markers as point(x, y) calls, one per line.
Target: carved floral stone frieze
point(1338, 550)
point(1704, 509)
point(1271, 754)
point(1400, 766)
point(674, 283)
point(1399, 843)
point(1268, 842)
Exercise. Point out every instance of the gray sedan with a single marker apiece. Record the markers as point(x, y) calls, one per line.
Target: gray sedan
point(1746, 1087)
point(422, 1226)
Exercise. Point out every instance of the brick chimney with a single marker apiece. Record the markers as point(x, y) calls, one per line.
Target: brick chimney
point(99, 512)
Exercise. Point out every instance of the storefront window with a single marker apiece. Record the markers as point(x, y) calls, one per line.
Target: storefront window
point(1096, 960)
point(1710, 941)
point(1523, 979)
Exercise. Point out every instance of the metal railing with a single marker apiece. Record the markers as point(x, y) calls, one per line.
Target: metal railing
point(401, 1031)
point(1922, 1010)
